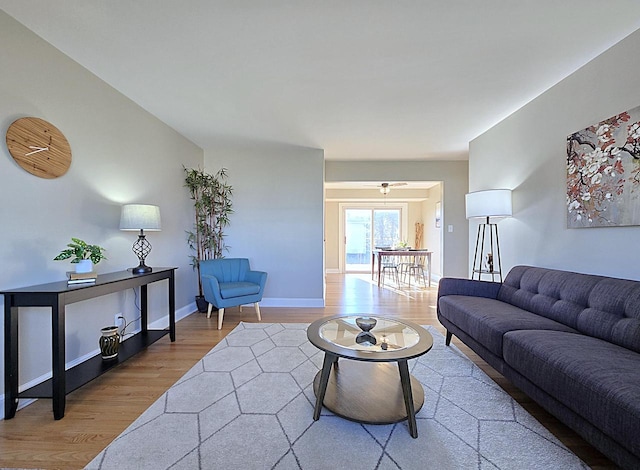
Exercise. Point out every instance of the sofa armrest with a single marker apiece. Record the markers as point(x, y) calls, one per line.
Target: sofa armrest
point(474, 288)
point(257, 277)
point(211, 289)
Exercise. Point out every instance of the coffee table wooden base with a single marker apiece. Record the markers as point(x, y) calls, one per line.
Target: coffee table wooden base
point(368, 392)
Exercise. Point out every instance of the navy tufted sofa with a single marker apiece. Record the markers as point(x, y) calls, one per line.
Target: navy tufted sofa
point(570, 341)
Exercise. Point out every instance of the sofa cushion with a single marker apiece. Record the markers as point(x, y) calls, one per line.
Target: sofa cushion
point(559, 295)
point(487, 320)
point(606, 308)
point(238, 289)
point(596, 379)
point(613, 313)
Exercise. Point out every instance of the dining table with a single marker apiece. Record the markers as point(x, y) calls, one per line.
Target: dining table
point(378, 254)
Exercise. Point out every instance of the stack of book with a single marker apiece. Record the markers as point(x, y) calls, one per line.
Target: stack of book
point(81, 278)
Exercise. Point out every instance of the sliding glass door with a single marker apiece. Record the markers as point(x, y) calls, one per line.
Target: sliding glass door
point(357, 231)
point(365, 229)
point(386, 227)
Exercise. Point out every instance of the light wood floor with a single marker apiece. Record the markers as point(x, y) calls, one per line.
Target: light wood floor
point(102, 409)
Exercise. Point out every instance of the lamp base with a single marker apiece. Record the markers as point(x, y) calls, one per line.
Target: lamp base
point(487, 262)
point(141, 248)
point(141, 269)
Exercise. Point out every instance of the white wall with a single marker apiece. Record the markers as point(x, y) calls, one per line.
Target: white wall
point(121, 154)
point(454, 177)
point(278, 218)
point(527, 153)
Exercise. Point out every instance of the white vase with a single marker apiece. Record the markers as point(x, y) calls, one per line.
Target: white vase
point(84, 266)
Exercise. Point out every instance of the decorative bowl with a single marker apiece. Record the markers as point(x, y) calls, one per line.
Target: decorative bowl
point(366, 323)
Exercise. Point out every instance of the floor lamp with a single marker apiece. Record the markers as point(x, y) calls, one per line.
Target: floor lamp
point(487, 204)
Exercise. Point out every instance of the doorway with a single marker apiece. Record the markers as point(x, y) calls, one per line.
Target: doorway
point(422, 212)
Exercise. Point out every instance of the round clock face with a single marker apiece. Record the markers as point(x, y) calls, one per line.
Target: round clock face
point(39, 147)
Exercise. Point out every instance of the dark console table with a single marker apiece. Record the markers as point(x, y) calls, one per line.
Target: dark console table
point(57, 295)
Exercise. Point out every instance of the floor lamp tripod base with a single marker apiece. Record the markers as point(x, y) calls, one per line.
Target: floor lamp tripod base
point(487, 252)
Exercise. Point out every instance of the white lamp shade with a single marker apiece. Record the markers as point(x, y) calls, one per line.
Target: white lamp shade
point(490, 203)
point(140, 217)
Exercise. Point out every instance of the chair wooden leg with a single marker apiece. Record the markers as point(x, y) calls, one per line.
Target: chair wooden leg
point(240, 308)
point(257, 307)
point(220, 316)
point(209, 308)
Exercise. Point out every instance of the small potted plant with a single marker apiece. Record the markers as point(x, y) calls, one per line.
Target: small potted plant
point(84, 255)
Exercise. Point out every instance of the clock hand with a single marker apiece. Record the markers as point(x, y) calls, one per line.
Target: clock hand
point(37, 149)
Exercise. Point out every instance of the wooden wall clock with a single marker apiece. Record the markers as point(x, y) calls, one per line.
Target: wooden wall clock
point(39, 147)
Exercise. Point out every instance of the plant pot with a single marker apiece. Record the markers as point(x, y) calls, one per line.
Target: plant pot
point(201, 304)
point(84, 266)
point(109, 342)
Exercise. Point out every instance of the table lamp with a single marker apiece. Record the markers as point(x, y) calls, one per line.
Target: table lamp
point(141, 217)
point(487, 204)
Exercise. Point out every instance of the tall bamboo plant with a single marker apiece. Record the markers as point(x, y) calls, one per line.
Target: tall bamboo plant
point(211, 197)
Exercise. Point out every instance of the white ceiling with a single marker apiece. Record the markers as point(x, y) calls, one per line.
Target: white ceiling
point(361, 79)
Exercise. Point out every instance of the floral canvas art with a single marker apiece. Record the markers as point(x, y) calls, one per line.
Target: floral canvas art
point(603, 173)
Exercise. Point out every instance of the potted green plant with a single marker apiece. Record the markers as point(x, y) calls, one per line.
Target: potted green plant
point(211, 195)
point(84, 255)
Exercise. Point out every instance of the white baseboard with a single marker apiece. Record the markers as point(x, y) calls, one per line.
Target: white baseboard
point(435, 279)
point(32, 383)
point(181, 313)
point(21, 404)
point(156, 325)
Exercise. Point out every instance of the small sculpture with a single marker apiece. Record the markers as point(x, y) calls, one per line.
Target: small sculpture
point(490, 262)
point(366, 323)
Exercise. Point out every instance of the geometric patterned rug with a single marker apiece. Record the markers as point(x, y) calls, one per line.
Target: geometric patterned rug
point(248, 404)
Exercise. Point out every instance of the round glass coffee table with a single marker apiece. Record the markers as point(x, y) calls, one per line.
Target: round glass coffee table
point(366, 388)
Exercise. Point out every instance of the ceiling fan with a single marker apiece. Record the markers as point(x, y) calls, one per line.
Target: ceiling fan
point(385, 188)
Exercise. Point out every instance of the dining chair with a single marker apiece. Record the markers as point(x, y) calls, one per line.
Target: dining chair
point(388, 263)
point(415, 269)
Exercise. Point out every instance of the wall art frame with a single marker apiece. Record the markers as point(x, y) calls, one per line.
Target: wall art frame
point(603, 173)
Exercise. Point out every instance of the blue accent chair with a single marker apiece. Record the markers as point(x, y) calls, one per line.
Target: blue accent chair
point(228, 282)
